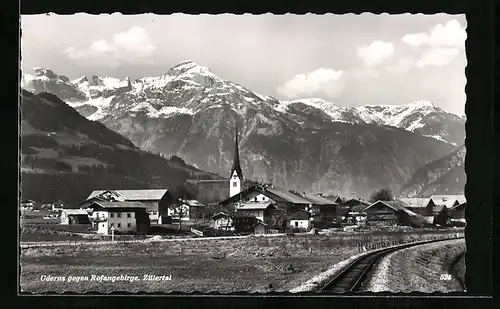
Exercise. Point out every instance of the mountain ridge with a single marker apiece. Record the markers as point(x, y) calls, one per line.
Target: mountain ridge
point(303, 144)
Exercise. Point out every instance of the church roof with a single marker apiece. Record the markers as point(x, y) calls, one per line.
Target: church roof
point(236, 161)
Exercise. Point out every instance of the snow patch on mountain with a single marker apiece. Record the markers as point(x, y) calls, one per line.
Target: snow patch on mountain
point(163, 112)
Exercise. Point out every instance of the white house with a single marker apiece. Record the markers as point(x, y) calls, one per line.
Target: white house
point(300, 219)
point(122, 216)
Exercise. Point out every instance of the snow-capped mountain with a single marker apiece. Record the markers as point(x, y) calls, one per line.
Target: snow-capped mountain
point(306, 144)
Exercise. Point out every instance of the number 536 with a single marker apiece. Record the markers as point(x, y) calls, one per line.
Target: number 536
point(445, 277)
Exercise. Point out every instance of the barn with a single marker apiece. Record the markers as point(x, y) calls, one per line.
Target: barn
point(390, 213)
point(74, 216)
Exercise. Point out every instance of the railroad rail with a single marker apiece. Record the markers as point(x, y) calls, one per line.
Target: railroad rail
point(352, 276)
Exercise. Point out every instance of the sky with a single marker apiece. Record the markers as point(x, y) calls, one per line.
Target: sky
point(350, 60)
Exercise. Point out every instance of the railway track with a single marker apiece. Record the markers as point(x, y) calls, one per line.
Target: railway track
point(351, 277)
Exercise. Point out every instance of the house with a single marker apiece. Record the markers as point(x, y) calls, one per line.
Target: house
point(259, 228)
point(266, 193)
point(322, 209)
point(300, 219)
point(122, 216)
point(222, 221)
point(57, 206)
point(156, 200)
point(387, 213)
point(74, 216)
point(191, 209)
point(261, 211)
point(243, 222)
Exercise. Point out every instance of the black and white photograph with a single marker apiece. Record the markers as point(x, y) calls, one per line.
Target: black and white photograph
point(242, 153)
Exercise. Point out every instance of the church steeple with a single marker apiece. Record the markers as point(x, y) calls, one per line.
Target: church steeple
point(236, 161)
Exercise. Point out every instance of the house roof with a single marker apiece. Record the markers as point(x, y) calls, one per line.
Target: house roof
point(255, 206)
point(75, 211)
point(463, 205)
point(219, 215)
point(395, 205)
point(445, 199)
point(193, 203)
point(134, 195)
point(242, 214)
point(27, 201)
point(274, 193)
point(259, 223)
point(105, 204)
point(318, 200)
point(416, 202)
point(356, 200)
point(286, 195)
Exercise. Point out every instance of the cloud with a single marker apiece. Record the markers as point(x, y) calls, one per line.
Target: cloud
point(376, 53)
point(438, 56)
point(322, 80)
point(403, 65)
point(364, 73)
point(131, 46)
point(451, 34)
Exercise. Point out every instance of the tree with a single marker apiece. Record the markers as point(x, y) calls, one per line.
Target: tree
point(280, 219)
point(384, 194)
point(180, 194)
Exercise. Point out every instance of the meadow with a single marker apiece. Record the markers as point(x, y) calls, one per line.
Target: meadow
point(253, 264)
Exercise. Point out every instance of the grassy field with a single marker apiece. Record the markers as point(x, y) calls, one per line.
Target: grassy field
point(223, 265)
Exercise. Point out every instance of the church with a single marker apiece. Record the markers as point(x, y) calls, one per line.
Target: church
point(261, 201)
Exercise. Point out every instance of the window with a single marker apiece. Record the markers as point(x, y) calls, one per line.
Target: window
point(263, 198)
point(255, 199)
point(235, 184)
point(112, 224)
point(128, 224)
point(296, 224)
point(129, 215)
point(102, 225)
point(111, 214)
point(119, 225)
point(119, 215)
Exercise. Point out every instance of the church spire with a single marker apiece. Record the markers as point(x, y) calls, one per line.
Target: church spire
point(236, 162)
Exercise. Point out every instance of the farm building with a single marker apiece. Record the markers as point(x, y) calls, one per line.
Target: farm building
point(122, 216)
point(387, 213)
point(300, 219)
point(322, 209)
point(449, 201)
point(222, 221)
point(421, 206)
point(156, 200)
point(259, 228)
point(457, 213)
point(353, 215)
point(74, 216)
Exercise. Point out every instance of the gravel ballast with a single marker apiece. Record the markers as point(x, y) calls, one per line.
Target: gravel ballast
point(425, 268)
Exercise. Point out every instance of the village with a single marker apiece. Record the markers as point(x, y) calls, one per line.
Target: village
point(259, 209)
